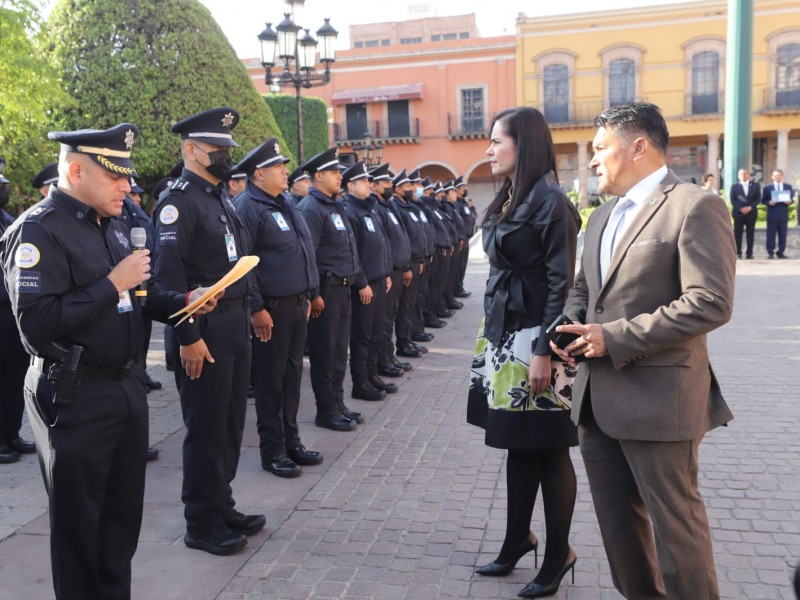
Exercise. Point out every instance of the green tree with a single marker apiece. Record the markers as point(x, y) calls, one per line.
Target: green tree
point(28, 91)
point(152, 63)
point(315, 122)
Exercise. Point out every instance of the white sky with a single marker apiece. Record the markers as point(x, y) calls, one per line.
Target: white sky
point(243, 20)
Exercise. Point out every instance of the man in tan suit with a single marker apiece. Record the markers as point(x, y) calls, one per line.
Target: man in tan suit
point(657, 275)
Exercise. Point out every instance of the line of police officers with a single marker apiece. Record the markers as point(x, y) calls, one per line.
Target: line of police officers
point(388, 257)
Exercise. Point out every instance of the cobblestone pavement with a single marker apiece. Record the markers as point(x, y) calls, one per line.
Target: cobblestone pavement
point(405, 507)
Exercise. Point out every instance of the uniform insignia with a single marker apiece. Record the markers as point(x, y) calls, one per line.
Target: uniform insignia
point(27, 256)
point(277, 148)
point(169, 214)
point(37, 214)
point(129, 138)
point(79, 215)
point(37, 211)
point(227, 120)
point(122, 239)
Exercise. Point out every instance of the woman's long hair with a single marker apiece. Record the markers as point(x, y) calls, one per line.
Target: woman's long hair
point(535, 157)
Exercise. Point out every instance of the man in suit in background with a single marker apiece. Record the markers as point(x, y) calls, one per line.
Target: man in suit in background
point(657, 275)
point(744, 196)
point(777, 196)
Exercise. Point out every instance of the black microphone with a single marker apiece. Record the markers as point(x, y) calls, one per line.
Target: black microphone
point(139, 241)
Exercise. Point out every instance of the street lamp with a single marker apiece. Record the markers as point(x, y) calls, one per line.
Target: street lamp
point(372, 151)
point(297, 53)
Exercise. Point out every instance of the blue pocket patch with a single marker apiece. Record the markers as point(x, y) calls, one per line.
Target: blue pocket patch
point(29, 282)
point(168, 236)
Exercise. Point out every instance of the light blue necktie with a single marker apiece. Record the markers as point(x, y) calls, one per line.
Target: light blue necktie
point(612, 233)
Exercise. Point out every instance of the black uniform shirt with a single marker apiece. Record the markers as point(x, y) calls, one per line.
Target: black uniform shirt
point(450, 210)
point(334, 243)
point(194, 221)
point(56, 259)
point(437, 219)
point(407, 213)
point(282, 241)
point(398, 238)
point(466, 216)
point(372, 240)
point(427, 226)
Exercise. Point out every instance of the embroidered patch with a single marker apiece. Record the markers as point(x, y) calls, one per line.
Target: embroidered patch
point(168, 236)
point(122, 239)
point(169, 214)
point(29, 282)
point(27, 256)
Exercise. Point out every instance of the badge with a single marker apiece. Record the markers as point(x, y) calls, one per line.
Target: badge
point(29, 282)
point(124, 305)
point(227, 120)
point(230, 244)
point(280, 221)
point(393, 218)
point(370, 224)
point(436, 212)
point(129, 135)
point(27, 256)
point(414, 216)
point(169, 214)
point(466, 210)
point(337, 221)
point(423, 217)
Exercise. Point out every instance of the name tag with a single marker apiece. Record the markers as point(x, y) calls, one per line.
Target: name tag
point(393, 218)
point(370, 225)
point(280, 221)
point(337, 221)
point(423, 217)
point(414, 217)
point(230, 245)
point(124, 305)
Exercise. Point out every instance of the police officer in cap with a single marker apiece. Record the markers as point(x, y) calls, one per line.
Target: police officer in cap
point(299, 182)
point(337, 265)
point(368, 292)
point(469, 229)
point(438, 267)
point(452, 212)
point(71, 278)
point(286, 276)
point(45, 178)
point(198, 239)
point(236, 182)
point(418, 333)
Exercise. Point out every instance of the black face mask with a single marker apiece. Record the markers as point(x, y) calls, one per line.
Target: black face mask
point(408, 195)
point(5, 193)
point(466, 192)
point(387, 193)
point(221, 163)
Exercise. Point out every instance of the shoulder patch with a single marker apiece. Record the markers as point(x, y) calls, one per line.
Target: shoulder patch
point(27, 256)
point(37, 213)
point(169, 214)
point(180, 184)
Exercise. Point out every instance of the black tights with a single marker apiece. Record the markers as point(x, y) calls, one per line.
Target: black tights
point(525, 470)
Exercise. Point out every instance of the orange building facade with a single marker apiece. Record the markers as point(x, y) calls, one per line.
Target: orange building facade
point(430, 104)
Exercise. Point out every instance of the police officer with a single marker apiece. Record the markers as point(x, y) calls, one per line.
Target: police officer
point(198, 239)
point(454, 272)
point(45, 178)
point(438, 266)
point(337, 265)
point(368, 293)
point(382, 191)
point(13, 362)
point(236, 182)
point(418, 333)
point(286, 276)
point(70, 275)
point(469, 230)
point(299, 181)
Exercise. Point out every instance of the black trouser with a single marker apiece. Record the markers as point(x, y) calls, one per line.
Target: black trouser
point(418, 315)
point(278, 374)
point(92, 455)
point(462, 270)
point(327, 346)
point(436, 280)
point(453, 271)
point(777, 226)
point(214, 408)
point(386, 353)
point(748, 224)
point(406, 307)
point(366, 332)
point(13, 366)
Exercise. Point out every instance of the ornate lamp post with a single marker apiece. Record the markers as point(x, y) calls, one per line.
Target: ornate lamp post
point(372, 152)
point(298, 58)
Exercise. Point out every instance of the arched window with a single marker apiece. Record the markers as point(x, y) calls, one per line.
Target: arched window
point(787, 76)
point(621, 81)
point(556, 93)
point(705, 83)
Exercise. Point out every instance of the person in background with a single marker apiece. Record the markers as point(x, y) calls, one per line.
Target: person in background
point(778, 196)
point(744, 198)
point(520, 395)
point(236, 183)
point(45, 178)
point(299, 182)
point(709, 182)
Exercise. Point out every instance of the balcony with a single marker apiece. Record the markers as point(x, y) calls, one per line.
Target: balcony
point(778, 101)
point(402, 133)
point(466, 129)
point(699, 107)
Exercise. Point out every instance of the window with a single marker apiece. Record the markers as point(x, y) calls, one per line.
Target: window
point(556, 93)
point(436, 37)
point(450, 36)
point(472, 110)
point(621, 82)
point(399, 122)
point(359, 44)
point(371, 43)
point(787, 76)
point(464, 35)
point(385, 42)
point(356, 120)
point(411, 40)
point(705, 83)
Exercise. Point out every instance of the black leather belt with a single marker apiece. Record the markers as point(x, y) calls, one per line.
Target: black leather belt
point(87, 373)
point(378, 280)
point(340, 280)
point(296, 299)
point(232, 305)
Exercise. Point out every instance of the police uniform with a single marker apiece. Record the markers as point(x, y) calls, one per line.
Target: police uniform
point(469, 230)
point(366, 331)
point(85, 395)
point(438, 267)
point(297, 175)
point(454, 268)
point(286, 276)
point(46, 177)
point(337, 265)
point(418, 333)
point(198, 238)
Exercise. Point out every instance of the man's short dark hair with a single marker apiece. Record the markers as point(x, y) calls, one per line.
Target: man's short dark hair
point(636, 118)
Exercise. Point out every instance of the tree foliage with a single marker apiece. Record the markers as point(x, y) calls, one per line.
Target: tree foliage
point(28, 91)
point(315, 122)
point(152, 63)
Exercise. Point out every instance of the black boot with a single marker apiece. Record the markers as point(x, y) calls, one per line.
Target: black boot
point(380, 384)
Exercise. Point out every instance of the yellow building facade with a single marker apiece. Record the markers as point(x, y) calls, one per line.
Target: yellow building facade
point(571, 67)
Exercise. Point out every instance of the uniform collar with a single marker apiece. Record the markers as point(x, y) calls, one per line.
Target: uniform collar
point(256, 193)
point(312, 191)
point(79, 210)
point(202, 183)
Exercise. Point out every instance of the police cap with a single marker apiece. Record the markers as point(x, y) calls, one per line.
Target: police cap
point(109, 148)
point(427, 184)
point(46, 176)
point(381, 173)
point(449, 185)
point(267, 154)
point(135, 187)
point(354, 173)
point(3, 180)
point(297, 175)
point(400, 178)
point(211, 126)
point(324, 161)
point(237, 174)
point(414, 176)
point(459, 182)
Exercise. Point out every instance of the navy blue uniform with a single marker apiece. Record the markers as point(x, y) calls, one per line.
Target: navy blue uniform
point(469, 230)
point(441, 257)
point(337, 265)
point(198, 239)
point(409, 216)
point(92, 450)
point(286, 275)
point(451, 212)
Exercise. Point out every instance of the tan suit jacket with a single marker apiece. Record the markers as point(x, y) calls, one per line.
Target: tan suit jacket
point(670, 282)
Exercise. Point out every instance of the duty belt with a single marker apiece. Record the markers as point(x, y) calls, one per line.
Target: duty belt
point(295, 299)
point(340, 280)
point(234, 304)
point(85, 373)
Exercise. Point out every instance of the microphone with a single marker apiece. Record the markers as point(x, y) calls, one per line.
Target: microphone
point(139, 241)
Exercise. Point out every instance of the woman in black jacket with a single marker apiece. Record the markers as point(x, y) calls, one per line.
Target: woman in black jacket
point(518, 393)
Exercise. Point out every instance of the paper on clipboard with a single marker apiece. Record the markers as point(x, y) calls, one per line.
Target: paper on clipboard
point(239, 270)
point(784, 196)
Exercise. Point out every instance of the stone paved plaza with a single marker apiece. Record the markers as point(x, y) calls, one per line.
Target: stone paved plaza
point(405, 507)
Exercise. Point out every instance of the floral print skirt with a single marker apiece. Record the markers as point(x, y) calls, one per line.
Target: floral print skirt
point(501, 402)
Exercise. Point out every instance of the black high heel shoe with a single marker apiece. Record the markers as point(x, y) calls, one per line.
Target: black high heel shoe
point(538, 590)
point(496, 569)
